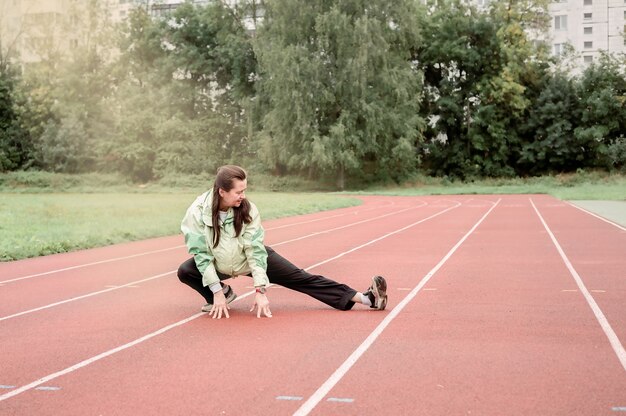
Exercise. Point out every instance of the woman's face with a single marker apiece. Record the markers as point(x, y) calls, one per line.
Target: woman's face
point(235, 196)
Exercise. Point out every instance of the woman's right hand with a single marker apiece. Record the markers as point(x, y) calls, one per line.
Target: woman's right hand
point(219, 306)
point(262, 305)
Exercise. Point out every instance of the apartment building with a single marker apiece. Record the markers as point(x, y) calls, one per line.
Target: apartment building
point(161, 8)
point(31, 28)
point(119, 9)
point(589, 26)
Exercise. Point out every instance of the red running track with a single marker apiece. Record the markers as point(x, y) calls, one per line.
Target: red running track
point(498, 305)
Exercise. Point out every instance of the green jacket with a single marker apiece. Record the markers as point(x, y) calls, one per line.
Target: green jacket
point(233, 255)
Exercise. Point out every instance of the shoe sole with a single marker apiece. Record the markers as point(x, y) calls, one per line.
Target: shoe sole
point(380, 294)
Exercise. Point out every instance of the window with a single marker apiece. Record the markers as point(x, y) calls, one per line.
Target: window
point(588, 2)
point(560, 22)
point(588, 59)
point(559, 48)
point(587, 16)
point(624, 14)
point(588, 30)
point(588, 45)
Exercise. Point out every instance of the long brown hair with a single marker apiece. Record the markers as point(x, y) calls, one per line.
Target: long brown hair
point(226, 176)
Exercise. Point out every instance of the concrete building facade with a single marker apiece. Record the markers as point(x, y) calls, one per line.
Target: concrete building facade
point(589, 26)
point(30, 27)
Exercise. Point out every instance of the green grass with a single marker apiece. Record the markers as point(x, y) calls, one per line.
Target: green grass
point(587, 186)
point(39, 224)
point(44, 213)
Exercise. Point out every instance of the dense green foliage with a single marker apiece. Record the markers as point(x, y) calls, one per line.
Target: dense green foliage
point(350, 91)
point(15, 149)
point(340, 91)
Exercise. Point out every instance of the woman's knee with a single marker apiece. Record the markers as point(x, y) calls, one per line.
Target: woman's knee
point(186, 270)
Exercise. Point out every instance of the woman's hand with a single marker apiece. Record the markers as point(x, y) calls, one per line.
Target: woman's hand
point(262, 305)
point(219, 306)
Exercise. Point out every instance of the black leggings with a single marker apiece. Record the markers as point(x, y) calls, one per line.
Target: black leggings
point(281, 272)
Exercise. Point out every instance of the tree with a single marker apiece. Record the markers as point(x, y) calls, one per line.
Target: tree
point(551, 145)
point(481, 74)
point(339, 90)
point(602, 92)
point(460, 52)
point(182, 87)
point(69, 87)
point(506, 97)
point(210, 54)
point(15, 146)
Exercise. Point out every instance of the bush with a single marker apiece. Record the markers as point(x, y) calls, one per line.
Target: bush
point(616, 155)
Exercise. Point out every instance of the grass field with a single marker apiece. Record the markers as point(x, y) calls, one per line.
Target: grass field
point(39, 224)
point(43, 213)
point(582, 186)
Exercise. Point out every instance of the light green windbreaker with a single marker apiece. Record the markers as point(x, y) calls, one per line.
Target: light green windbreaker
point(233, 255)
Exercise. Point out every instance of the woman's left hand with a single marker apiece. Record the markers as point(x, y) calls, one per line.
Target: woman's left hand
point(262, 305)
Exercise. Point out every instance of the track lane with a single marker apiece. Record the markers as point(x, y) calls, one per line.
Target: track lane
point(98, 278)
point(494, 335)
point(133, 315)
point(39, 267)
point(168, 373)
point(254, 321)
point(595, 252)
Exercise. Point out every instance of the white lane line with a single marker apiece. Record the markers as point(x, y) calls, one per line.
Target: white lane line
point(329, 216)
point(604, 323)
point(346, 226)
point(160, 331)
point(98, 357)
point(290, 398)
point(131, 284)
point(4, 318)
point(340, 400)
point(597, 216)
point(48, 388)
point(383, 237)
point(91, 264)
point(117, 287)
point(325, 388)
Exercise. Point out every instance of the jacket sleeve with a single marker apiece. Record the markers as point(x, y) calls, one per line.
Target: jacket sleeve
point(197, 245)
point(254, 249)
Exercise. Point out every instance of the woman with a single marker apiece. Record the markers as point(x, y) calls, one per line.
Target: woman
point(223, 232)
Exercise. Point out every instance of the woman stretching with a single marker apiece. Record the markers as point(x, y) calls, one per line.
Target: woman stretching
point(223, 232)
